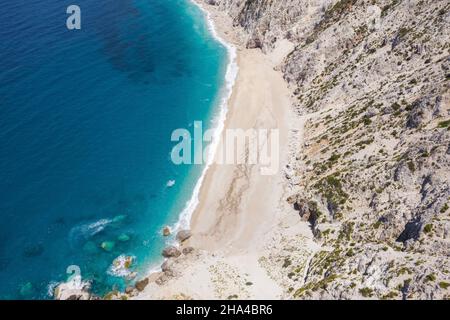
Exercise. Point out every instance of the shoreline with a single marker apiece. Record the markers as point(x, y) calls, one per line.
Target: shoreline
point(185, 217)
point(233, 231)
point(232, 70)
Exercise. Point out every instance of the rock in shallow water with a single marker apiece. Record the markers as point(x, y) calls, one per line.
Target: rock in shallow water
point(73, 289)
point(108, 245)
point(166, 231)
point(123, 237)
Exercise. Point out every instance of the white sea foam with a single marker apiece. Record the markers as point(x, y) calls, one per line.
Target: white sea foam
point(51, 288)
point(85, 231)
point(120, 267)
point(170, 183)
point(230, 78)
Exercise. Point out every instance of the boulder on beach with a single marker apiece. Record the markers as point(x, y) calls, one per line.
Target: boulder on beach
point(140, 285)
point(33, 250)
point(168, 271)
point(166, 231)
point(162, 280)
point(129, 290)
point(171, 252)
point(188, 250)
point(183, 235)
point(121, 266)
point(166, 266)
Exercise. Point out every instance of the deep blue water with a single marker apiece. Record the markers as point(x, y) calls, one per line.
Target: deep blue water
point(85, 124)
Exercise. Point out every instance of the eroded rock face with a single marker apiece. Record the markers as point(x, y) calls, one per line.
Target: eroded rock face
point(372, 79)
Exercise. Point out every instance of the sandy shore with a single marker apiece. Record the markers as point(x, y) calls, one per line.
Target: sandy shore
point(242, 226)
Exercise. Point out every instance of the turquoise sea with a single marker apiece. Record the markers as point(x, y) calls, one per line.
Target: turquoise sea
point(86, 118)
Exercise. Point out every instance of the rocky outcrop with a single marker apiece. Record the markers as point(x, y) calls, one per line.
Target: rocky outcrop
point(371, 174)
point(141, 284)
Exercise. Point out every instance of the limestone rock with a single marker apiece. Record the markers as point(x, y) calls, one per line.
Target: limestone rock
point(183, 235)
point(140, 285)
point(166, 231)
point(171, 252)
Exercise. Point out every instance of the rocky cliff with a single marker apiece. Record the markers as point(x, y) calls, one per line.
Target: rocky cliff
point(372, 173)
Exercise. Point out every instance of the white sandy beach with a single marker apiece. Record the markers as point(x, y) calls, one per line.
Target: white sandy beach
point(241, 212)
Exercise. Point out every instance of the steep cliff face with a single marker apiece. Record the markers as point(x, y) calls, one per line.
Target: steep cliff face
point(373, 173)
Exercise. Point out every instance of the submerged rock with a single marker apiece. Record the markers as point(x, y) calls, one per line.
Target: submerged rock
point(26, 290)
point(170, 183)
point(33, 250)
point(183, 235)
point(108, 245)
point(123, 237)
point(119, 218)
point(171, 252)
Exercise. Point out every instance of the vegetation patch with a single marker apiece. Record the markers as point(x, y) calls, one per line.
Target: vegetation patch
point(331, 189)
point(444, 124)
point(366, 292)
point(428, 228)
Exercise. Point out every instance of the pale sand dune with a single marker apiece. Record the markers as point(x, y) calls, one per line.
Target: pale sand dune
point(242, 223)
